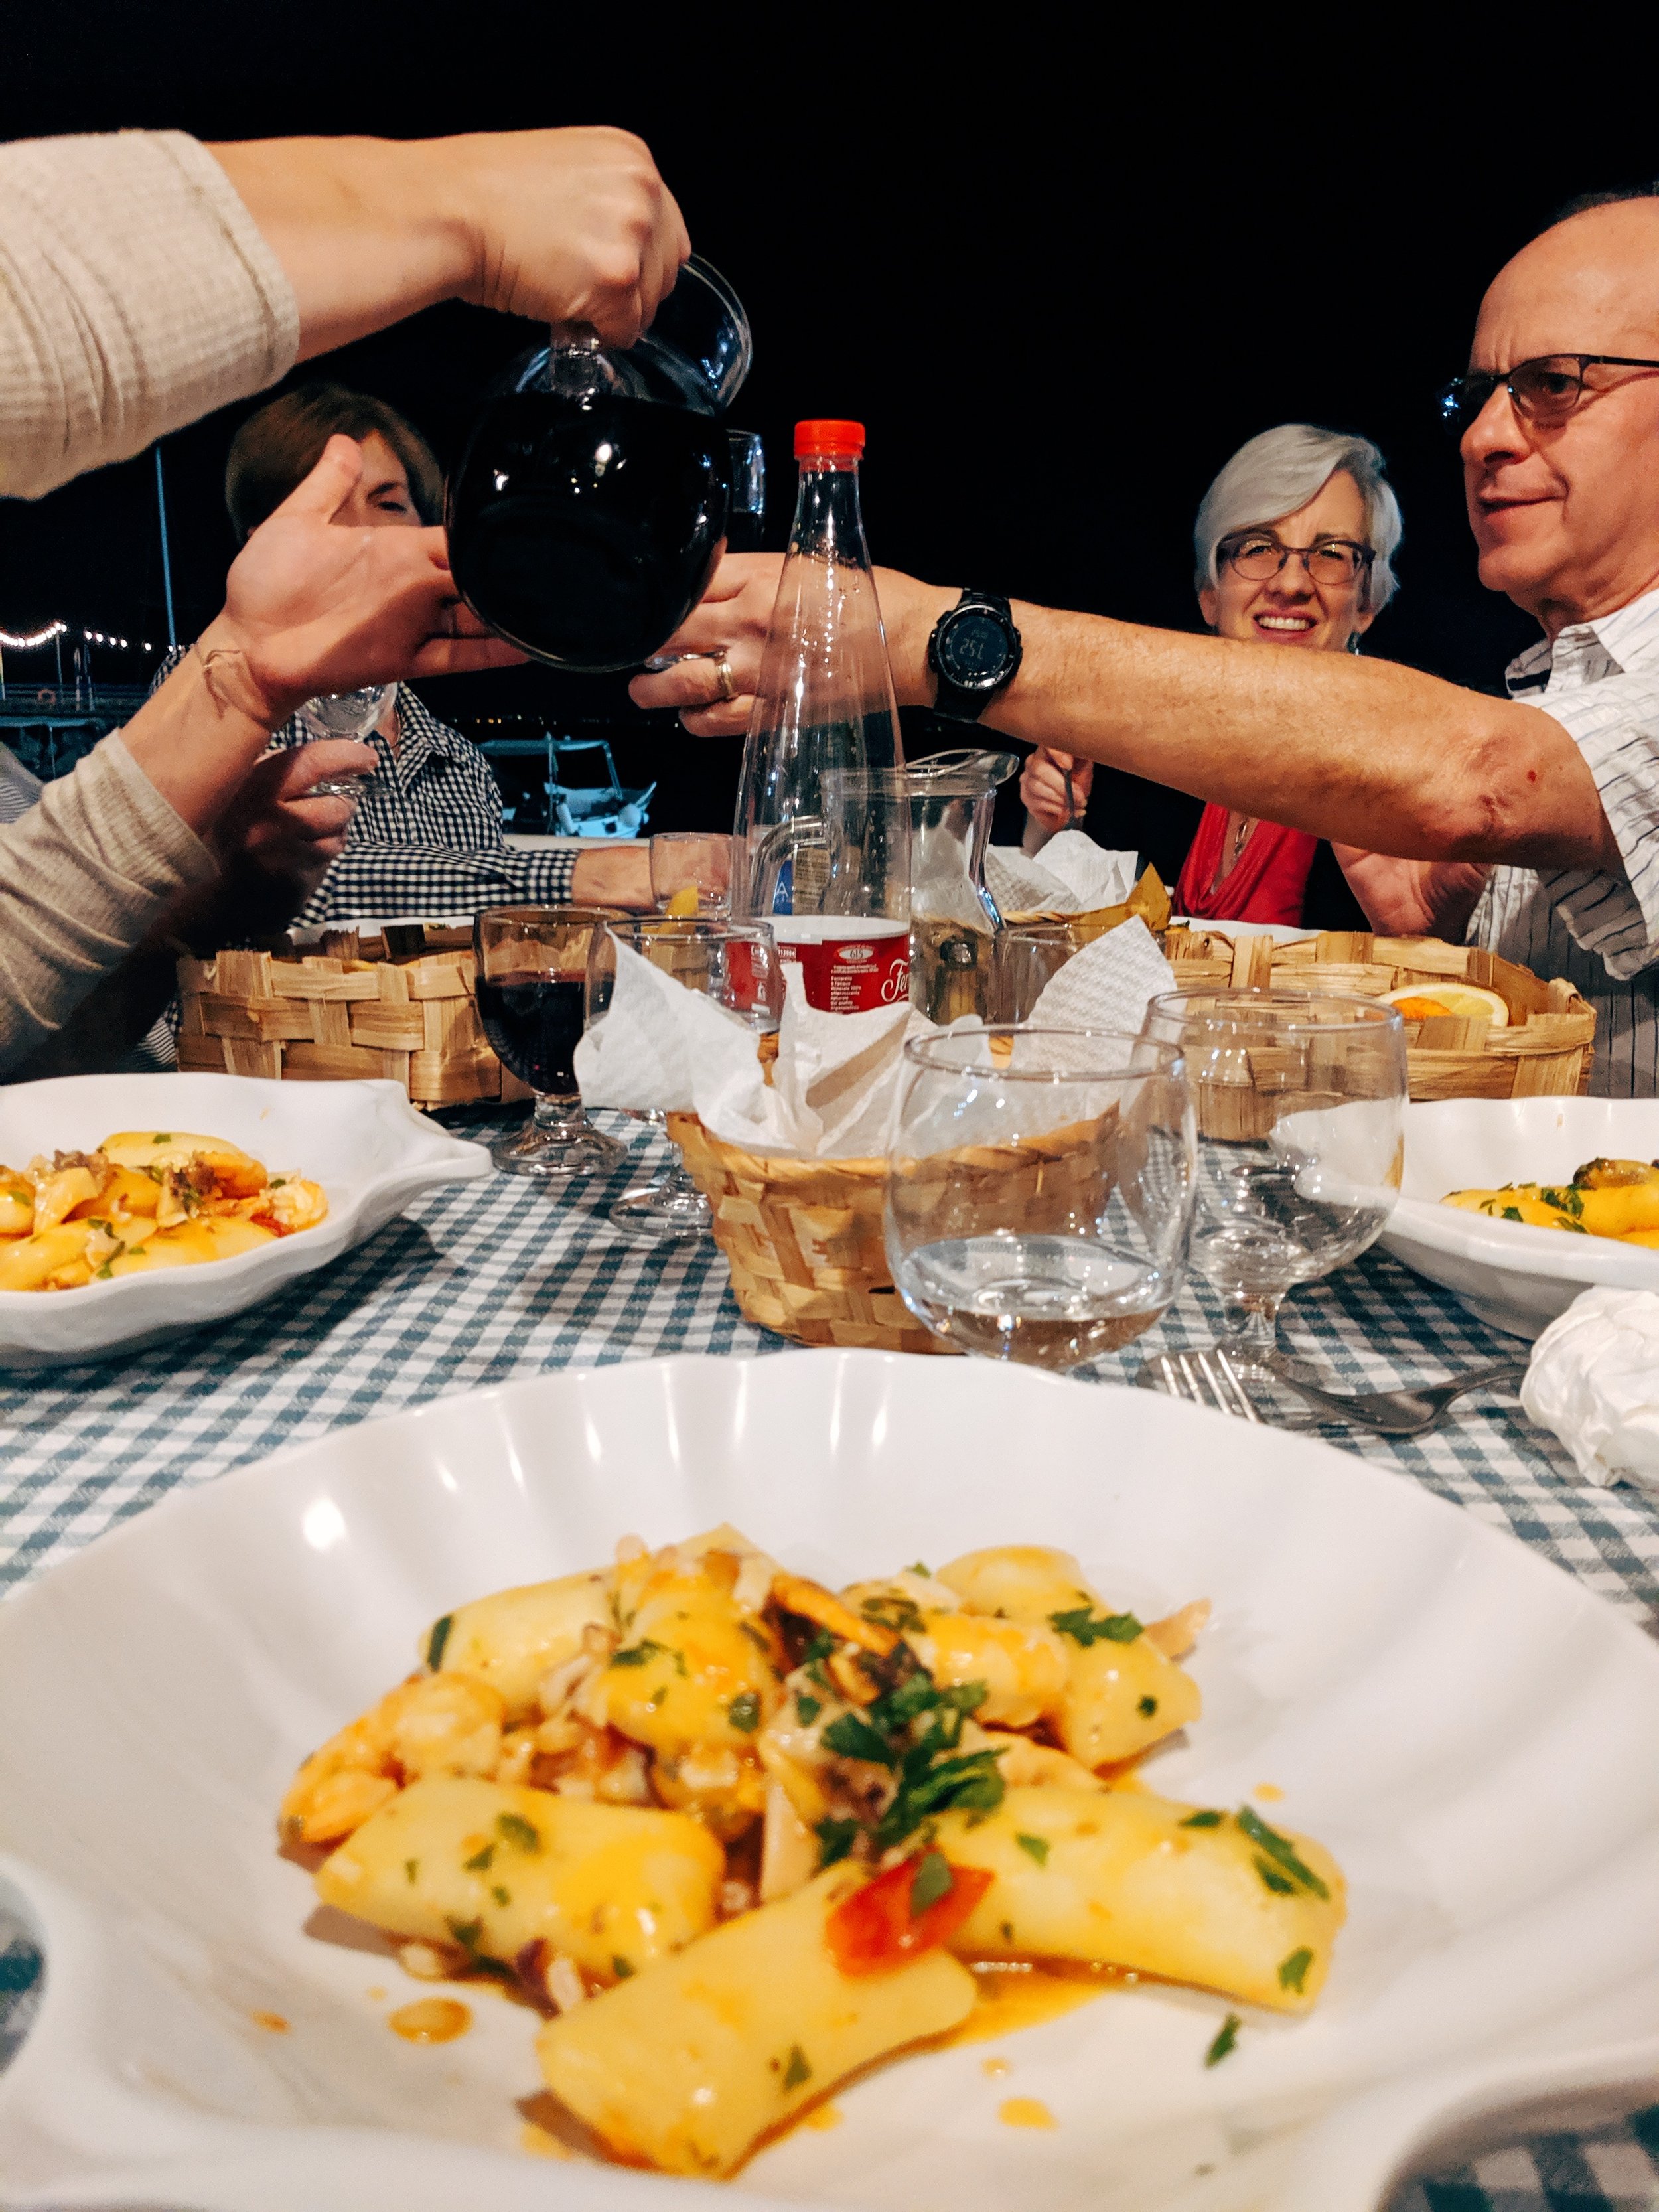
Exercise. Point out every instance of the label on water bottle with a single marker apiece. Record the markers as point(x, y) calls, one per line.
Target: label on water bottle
point(850, 962)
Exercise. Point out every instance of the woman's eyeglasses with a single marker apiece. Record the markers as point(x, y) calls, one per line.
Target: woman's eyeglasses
point(1258, 555)
point(1545, 391)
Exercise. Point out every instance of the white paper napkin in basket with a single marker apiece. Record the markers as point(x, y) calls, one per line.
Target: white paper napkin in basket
point(1074, 876)
point(1108, 985)
point(1594, 1379)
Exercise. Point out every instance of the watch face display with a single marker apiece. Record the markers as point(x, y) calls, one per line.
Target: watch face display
point(973, 649)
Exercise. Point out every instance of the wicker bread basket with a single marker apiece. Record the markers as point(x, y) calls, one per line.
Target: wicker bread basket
point(804, 1240)
point(357, 1007)
point(1546, 1051)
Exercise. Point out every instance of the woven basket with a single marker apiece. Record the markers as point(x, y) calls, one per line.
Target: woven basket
point(360, 1007)
point(1546, 1051)
point(804, 1240)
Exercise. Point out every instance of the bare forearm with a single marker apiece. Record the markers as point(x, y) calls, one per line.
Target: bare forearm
point(365, 228)
point(1363, 752)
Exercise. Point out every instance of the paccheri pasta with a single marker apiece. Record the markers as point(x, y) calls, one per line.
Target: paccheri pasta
point(143, 1200)
point(1617, 1199)
point(739, 1835)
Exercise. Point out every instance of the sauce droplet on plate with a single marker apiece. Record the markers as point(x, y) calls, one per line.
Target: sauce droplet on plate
point(823, 2118)
point(1270, 1790)
point(430, 2020)
point(271, 2020)
point(1026, 2113)
point(996, 2069)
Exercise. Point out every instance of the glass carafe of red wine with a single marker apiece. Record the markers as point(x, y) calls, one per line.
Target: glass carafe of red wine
point(597, 488)
point(825, 709)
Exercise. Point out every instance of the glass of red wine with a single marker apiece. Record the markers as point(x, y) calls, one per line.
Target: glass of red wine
point(532, 989)
point(734, 964)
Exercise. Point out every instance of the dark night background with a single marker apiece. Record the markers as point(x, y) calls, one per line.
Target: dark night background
point(1060, 273)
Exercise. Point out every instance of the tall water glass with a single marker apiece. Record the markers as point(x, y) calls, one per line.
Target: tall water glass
point(691, 871)
point(532, 995)
point(1040, 1190)
point(1300, 1102)
point(734, 964)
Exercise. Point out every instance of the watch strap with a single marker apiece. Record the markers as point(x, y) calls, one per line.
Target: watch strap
point(955, 699)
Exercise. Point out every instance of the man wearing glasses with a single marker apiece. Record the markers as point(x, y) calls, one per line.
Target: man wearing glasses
point(1532, 822)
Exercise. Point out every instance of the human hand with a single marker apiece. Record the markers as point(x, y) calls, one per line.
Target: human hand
point(1044, 789)
point(1413, 898)
point(729, 625)
point(312, 606)
point(572, 226)
point(277, 825)
point(614, 875)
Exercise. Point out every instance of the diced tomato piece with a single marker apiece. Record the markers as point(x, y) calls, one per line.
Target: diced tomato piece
point(877, 1927)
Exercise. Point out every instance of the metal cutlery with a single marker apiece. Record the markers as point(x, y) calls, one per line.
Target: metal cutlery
point(1217, 1378)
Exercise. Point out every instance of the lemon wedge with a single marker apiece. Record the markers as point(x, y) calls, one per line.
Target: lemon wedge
point(683, 901)
point(1472, 1001)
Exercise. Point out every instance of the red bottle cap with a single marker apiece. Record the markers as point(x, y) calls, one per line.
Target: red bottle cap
point(814, 440)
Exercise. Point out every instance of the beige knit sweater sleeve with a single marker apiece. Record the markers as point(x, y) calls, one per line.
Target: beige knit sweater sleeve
point(82, 876)
point(137, 293)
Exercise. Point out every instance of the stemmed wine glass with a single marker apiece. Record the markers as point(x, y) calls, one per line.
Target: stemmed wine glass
point(734, 964)
point(531, 979)
point(1039, 1189)
point(1300, 1100)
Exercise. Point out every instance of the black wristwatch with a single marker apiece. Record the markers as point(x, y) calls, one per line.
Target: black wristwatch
point(974, 650)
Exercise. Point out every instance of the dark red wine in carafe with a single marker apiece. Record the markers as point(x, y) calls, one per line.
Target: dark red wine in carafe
point(586, 528)
point(534, 1023)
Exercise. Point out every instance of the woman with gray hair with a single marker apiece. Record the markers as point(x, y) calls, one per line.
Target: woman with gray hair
point(1295, 542)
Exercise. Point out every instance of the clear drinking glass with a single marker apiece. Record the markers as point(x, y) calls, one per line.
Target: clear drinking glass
point(532, 997)
point(1300, 1101)
point(1040, 1190)
point(691, 871)
point(345, 715)
point(736, 965)
point(1025, 957)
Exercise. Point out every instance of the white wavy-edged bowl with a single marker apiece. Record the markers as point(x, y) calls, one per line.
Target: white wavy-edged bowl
point(1515, 1276)
point(364, 1142)
point(1469, 1730)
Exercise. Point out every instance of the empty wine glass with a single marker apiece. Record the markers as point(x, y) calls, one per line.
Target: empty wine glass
point(532, 989)
point(1039, 1189)
point(345, 715)
point(1300, 1101)
point(691, 871)
point(736, 965)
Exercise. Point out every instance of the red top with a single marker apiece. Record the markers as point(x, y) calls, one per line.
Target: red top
point(1267, 882)
point(813, 438)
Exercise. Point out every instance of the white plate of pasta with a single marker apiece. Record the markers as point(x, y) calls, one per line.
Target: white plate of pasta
point(133, 1207)
point(847, 1778)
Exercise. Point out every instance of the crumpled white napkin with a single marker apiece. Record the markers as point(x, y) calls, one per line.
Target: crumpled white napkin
point(1594, 1379)
point(1074, 876)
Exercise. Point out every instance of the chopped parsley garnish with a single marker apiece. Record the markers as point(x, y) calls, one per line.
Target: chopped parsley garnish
point(1035, 1847)
point(894, 1610)
point(932, 1880)
point(623, 1969)
point(636, 1655)
point(1280, 1884)
point(411, 1868)
point(1147, 1706)
point(920, 1567)
point(813, 1657)
point(1281, 1849)
point(1226, 2037)
point(1511, 1214)
point(1203, 1821)
point(465, 1932)
point(1007, 1931)
point(851, 1736)
point(756, 1635)
point(479, 1861)
point(1570, 1201)
point(658, 1697)
point(437, 1641)
point(796, 2071)
point(162, 1136)
point(807, 1709)
point(517, 1832)
point(500, 1895)
point(744, 1711)
point(1086, 1626)
point(105, 1273)
point(1293, 1970)
point(836, 1841)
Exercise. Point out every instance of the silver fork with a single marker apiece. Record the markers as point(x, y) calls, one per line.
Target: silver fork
point(1212, 1378)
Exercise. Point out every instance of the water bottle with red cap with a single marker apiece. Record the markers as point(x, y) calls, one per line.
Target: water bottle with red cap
point(823, 822)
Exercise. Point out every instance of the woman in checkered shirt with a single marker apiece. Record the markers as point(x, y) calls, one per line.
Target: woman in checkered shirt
point(426, 838)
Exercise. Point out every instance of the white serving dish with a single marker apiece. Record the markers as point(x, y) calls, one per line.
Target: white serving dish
point(1515, 1276)
point(1469, 1730)
point(364, 1142)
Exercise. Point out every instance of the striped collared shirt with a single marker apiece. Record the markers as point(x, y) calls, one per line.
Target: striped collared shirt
point(426, 838)
point(1600, 680)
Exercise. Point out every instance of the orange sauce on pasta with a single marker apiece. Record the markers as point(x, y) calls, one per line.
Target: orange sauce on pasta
point(430, 2020)
point(1015, 1993)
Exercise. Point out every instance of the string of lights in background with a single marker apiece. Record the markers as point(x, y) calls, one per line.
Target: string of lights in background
point(26, 641)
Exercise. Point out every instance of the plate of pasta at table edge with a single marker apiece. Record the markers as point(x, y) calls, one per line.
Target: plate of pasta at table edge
point(836, 1778)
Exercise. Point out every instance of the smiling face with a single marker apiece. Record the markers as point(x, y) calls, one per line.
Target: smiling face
point(1291, 608)
point(1566, 515)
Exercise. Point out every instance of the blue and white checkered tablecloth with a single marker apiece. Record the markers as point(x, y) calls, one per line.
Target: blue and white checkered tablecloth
point(484, 1283)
